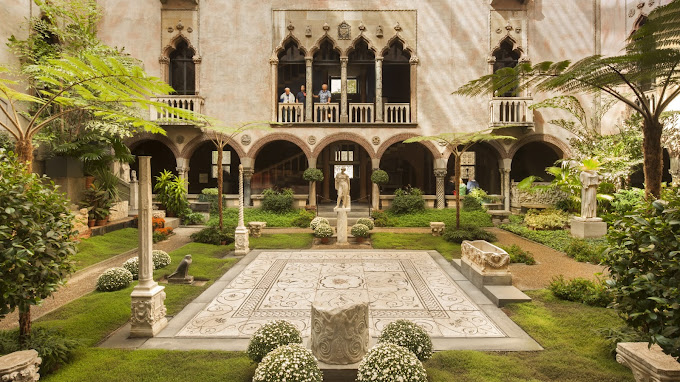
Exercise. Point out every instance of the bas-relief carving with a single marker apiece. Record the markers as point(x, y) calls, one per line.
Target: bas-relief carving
point(339, 335)
point(485, 257)
point(148, 312)
point(507, 24)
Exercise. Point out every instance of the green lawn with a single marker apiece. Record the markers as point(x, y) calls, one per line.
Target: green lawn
point(282, 241)
point(558, 239)
point(415, 241)
point(273, 219)
point(99, 248)
point(448, 216)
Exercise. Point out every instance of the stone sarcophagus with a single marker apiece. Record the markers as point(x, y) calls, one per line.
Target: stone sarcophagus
point(339, 333)
point(485, 257)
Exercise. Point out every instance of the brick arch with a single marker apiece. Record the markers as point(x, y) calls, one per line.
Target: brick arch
point(260, 143)
point(195, 143)
point(430, 145)
point(135, 141)
point(557, 144)
point(352, 137)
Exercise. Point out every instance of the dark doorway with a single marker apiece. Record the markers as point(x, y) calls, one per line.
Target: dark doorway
point(203, 169)
point(280, 164)
point(408, 164)
point(357, 163)
point(532, 159)
point(162, 158)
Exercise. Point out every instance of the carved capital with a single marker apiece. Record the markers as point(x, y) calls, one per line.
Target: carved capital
point(164, 60)
point(197, 59)
point(273, 60)
point(344, 60)
point(439, 172)
point(414, 60)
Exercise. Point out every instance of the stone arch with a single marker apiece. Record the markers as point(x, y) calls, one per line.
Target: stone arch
point(515, 46)
point(551, 140)
point(403, 42)
point(260, 143)
point(135, 141)
point(352, 137)
point(290, 37)
point(173, 45)
point(404, 136)
point(196, 142)
point(317, 45)
point(356, 40)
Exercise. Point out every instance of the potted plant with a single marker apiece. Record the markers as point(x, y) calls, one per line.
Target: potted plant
point(172, 193)
point(378, 177)
point(360, 231)
point(324, 232)
point(312, 175)
point(98, 202)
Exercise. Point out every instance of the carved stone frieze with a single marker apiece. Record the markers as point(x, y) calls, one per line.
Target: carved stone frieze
point(339, 334)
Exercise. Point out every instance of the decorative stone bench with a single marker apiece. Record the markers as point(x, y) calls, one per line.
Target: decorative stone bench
point(20, 366)
point(437, 228)
point(499, 216)
point(255, 228)
point(339, 333)
point(648, 364)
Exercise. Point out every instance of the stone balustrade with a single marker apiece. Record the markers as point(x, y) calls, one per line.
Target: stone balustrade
point(192, 103)
point(361, 113)
point(511, 111)
point(291, 112)
point(326, 113)
point(397, 113)
point(393, 113)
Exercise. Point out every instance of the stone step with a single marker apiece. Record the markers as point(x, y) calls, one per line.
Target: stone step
point(172, 222)
point(502, 295)
point(493, 206)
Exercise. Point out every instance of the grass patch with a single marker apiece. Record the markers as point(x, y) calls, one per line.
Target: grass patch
point(99, 248)
point(568, 331)
point(557, 239)
point(282, 241)
point(93, 316)
point(415, 241)
point(156, 366)
point(273, 219)
point(448, 216)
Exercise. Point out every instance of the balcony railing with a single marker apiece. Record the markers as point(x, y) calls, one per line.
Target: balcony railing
point(184, 102)
point(326, 112)
point(291, 112)
point(397, 113)
point(361, 113)
point(511, 111)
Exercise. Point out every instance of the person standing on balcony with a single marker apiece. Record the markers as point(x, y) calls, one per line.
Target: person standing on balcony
point(287, 97)
point(301, 98)
point(324, 96)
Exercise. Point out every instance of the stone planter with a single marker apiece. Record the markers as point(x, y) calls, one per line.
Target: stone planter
point(485, 257)
point(648, 364)
point(21, 366)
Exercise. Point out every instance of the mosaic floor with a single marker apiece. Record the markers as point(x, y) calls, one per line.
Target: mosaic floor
point(283, 285)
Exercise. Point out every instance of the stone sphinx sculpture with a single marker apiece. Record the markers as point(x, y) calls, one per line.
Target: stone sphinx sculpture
point(181, 274)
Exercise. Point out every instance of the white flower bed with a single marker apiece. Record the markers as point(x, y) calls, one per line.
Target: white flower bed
point(409, 335)
point(323, 230)
point(161, 259)
point(132, 265)
point(359, 230)
point(367, 222)
point(316, 221)
point(387, 362)
point(270, 336)
point(289, 363)
point(114, 279)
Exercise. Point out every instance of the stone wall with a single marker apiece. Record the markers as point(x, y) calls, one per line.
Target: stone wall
point(535, 196)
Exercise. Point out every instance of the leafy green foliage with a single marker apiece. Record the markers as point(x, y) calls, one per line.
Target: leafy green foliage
point(547, 219)
point(407, 201)
point(313, 175)
point(467, 233)
point(584, 251)
point(518, 255)
point(193, 218)
point(171, 191)
point(627, 200)
point(423, 218)
point(471, 203)
point(36, 237)
point(303, 219)
point(558, 240)
point(277, 201)
point(213, 235)
point(55, 349)
point(97, 201)
point(644, 264)
point(581, 290)
point(273, 219)
point(380, 177)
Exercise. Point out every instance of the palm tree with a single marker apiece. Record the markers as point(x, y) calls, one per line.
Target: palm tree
point(651, 55)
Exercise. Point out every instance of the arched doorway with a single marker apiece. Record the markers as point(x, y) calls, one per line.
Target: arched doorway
point(408, 164)
point(357, 162)
point(280, 164)
point(532, 159)
point(203, 169)
point(480, 163)
point(162, 158)
point(637, 178)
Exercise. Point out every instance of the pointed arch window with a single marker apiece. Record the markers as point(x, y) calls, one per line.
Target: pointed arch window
point(183, 69)
point(396, 73)
point(506, 56)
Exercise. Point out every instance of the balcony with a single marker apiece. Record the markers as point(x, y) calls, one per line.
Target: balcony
point(291, 112)
point(358, 113)
point(326, 113)
point(192, 103)
point(397, 113)
point(511, 111)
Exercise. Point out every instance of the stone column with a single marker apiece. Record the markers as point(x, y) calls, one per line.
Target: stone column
point(134, 191)
point(274, 63)
point(344, 117)
point(148, 308)
point(675, 170)
point(312, 185)
point(241, 233)
point(505, 166)
point(342, 225)
point(414, 89)
point(375, 189)
point(20, 366)
point(339, 334)
point(378, 89)
point(308, 86)
point(247, 191)
point(197, 73)
point(183, 171)
point(440, 175)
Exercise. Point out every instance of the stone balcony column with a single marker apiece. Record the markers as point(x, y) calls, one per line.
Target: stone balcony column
point(247, 192)
point(274, 78)
point(440, 176)
point(308, 87)
point(414, 88)
point(344, 116)
point(505, 166)
point(379, 112)
point(183, 171)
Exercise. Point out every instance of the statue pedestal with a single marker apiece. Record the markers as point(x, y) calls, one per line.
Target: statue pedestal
point(588, 228)
point(241, 241)
point(342, 224)
point(148, 310)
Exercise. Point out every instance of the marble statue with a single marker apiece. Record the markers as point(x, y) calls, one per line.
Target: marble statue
point(589, 181)
point(125, 172)
point(133, 176)
point(342, 185)
point(181, 274)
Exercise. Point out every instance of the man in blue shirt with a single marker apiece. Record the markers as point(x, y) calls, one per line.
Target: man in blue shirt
point(324, 97)
point(472, 184)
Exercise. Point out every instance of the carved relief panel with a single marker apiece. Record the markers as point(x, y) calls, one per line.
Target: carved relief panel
point(508, 24)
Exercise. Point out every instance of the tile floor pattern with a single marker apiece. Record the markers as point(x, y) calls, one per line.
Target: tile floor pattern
point(283, 285)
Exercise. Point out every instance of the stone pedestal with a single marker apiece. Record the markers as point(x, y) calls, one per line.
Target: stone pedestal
point(340, 333)
point(648, 364)
point(134, 195)
point(241, 242)
point(255, 228)
point(20, 366)
point(342, 224)
point(588, 228)
point(148, 311)
point(437, 228)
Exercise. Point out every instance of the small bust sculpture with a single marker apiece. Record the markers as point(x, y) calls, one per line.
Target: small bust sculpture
point(181, 274)
point(342, 185)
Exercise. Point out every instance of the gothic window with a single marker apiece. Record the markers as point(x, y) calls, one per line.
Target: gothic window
point(396, 74)
point(291, 68)
point(182, 69)
point(506, 57)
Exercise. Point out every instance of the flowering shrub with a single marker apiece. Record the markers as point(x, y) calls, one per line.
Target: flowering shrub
point(132, 265)
point(161, 234)
point(161, 259)
point(387, 362)
point(270, 336)
point(367, 222)
point(318, 220)
point(323, 230)
point(114, 279)
point(359, 230)
point(290, 363)
point(409, 335)
point(157, 223)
